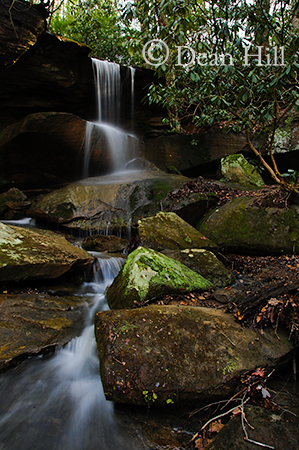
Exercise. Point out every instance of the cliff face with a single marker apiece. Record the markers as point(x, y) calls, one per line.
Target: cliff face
point(54, 74)
point(20, 25)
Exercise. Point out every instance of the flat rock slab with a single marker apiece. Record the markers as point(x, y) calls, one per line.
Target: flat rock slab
point(160, 355)
point(116, 199)
point(30, 253)
point(30, 323)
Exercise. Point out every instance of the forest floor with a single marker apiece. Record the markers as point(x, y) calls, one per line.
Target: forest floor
point(269, 284)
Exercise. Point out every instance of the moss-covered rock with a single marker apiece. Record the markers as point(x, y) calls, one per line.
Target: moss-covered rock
point(239, 226)
point(205, 263)
point(159, 355)
point(147, 274)
point(237, 169)
point(30, 323)
point(31, 253)
point(166, 230)
point(113, 200)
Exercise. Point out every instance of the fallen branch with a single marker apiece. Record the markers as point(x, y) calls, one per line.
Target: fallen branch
point(215, 418)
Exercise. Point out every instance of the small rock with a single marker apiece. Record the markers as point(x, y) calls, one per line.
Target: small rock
point(228, 295)
point(101, 243)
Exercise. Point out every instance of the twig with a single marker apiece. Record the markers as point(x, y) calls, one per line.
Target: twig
point(215, 403)
point(228, 339)
point(213, 419)
point(243, 419)
point(258, 443)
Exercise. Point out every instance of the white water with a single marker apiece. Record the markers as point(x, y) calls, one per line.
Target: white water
point(108, 90)
point(104, 133)
point(59, 403)
point(122, 147)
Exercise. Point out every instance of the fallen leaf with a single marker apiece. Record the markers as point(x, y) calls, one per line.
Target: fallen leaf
point(259, 372)
point(216, 426)
point(237, 411)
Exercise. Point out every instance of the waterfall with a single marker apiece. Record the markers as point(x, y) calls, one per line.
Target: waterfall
point(132, 79)
point(116, 146)
point(59, 403)
point(108, 90)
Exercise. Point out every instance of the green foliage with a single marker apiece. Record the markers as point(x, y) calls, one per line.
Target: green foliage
point(215, 82)
point(95, 23)
point(210, 81)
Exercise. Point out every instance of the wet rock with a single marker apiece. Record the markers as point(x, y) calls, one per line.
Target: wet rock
point(236, 168)
point(159, 355)
point(205, 263)
point(28, 253)
point(147, 274)
point(271, 428)
point(112, 200)
point(101, 243)
point(240, 226)
point(166, 230)
point(31, 323)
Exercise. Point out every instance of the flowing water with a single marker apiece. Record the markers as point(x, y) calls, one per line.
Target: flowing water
point(104, 133)
point(58, 403)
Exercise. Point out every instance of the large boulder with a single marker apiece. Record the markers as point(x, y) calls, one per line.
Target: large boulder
point(41, 150)
point(158, 355)
point(166, 230)
point(111, 200)
point(188, 151)
point(236, 168)
point(30, 253)
point(147, 274)
point(205, 263)
point(31, 323)
point(240, 226)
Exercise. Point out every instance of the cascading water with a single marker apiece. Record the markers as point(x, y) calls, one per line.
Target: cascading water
point(59, 404)
point(121, 146)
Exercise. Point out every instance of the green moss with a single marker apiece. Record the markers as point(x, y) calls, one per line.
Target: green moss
point(239, 226)
point(148, 274)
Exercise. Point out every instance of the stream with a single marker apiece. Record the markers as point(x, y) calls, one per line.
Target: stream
point(58, 402)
